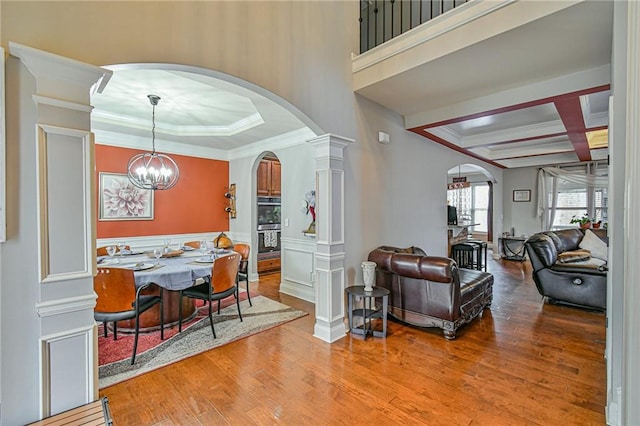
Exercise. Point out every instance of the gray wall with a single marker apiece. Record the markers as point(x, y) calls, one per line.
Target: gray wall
point(520, 215)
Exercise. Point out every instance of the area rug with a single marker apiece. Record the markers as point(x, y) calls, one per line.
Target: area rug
point(110, 350)
point(264, 314)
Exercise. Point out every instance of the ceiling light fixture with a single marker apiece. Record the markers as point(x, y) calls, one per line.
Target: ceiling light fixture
point(151, 170)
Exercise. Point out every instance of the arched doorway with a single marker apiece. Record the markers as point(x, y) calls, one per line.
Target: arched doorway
point(268, 223)
point(470, 200)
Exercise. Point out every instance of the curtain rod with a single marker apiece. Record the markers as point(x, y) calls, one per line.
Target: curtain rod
point(577, 163)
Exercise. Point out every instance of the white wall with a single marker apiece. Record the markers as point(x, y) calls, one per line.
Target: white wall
point(520, 215)
point(297, 178)
point(396, 193)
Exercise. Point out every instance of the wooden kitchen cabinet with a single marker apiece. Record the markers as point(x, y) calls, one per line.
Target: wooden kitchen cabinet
point(269, 178)
point(268, 265)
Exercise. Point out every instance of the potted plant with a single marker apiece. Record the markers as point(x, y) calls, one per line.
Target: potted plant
point(584, 221)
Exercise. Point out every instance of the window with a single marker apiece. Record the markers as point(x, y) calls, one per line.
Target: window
point(480, 205)
point(472, 204)
point(580, 190)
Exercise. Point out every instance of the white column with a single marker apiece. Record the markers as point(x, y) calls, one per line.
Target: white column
point(329, 256)
point(631, 337)
point(49, 360)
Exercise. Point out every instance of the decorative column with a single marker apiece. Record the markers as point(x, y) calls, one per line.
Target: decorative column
point(329, 257)
point(49, 354)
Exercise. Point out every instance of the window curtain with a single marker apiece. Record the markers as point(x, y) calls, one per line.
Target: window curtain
point(548, 188)
point(490, 213)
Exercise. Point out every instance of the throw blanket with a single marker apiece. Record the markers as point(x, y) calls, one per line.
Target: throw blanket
point(271, 239)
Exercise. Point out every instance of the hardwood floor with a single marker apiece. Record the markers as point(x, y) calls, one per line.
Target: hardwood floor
point(524, 363)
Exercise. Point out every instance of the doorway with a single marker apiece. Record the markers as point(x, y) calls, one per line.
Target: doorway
point(268, 213)
point(470, 200)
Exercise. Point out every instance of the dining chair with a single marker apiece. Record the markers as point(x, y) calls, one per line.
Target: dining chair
point(194, 244)
point(220, 285)
point(102, 251)
point(243, 270)
point(119, 299)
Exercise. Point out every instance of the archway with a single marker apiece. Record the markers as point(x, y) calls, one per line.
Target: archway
point(470, 193)
point(268, 222)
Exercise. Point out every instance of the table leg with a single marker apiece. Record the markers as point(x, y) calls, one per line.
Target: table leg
point(350, 305)
point(385, 303)
point(364, 315)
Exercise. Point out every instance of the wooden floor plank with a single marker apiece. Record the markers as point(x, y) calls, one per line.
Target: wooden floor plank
point(523, 362)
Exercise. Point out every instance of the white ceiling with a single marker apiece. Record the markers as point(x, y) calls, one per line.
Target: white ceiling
point(196, 110)
point(522, 96)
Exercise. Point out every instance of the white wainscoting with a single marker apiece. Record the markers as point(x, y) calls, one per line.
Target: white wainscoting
point(297, 268)
point(66, 369)
point(64, 203)
point(149, 242)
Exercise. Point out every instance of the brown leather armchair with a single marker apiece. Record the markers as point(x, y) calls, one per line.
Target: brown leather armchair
point(429, 291)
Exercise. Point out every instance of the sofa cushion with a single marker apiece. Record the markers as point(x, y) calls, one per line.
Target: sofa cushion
point(595, 245)
point(574, 256)
point(543, 250)
point(567, 239)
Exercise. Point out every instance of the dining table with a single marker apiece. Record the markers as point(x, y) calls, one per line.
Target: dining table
point(177, 270)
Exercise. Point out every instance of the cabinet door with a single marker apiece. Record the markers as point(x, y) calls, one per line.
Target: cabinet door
point(275, 178)
point(264, 177)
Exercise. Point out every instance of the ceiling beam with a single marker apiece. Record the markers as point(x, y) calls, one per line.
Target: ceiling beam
point(570, 111)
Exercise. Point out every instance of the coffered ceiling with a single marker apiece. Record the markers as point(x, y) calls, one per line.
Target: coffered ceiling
point(200, 112)
point(514, 84)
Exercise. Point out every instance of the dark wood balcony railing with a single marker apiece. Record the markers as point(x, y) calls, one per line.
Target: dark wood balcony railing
point(381, 20)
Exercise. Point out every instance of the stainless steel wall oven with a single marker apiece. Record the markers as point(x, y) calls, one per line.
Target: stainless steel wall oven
point(268, 227)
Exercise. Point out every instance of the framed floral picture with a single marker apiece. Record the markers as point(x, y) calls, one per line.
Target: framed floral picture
point(119, 199)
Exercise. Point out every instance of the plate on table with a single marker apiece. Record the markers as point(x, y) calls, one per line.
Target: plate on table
point(219, 251)
point(141, 266)
point(206, 259)
point(172, 253)
point(187, 248)
point(130, 252)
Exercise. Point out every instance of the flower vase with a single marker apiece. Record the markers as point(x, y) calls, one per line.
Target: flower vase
point(368, 275)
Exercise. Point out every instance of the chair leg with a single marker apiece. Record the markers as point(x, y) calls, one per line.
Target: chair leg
point(218, 306)
point(248, 293)
point(135, 339)
point(211, 320)
point(238, 303)
point(115, 330)
point(162, 314)
point(104, 326)
point(180, 313)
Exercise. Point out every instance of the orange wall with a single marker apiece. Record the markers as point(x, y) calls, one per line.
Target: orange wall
point(195, 204)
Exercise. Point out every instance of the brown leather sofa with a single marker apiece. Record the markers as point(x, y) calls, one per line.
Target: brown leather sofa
point(569, 283)
point(428, 291)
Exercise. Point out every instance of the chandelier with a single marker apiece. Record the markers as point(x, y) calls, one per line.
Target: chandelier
point(151, 170)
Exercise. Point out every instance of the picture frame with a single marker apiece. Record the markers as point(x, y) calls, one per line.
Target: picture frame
point(521, 195)
point(119, 199)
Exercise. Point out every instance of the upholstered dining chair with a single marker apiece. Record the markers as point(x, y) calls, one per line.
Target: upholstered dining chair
point(220, 285)
point(118, 300)
point(102, 251)
point(243, 270)
point(194, 244)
